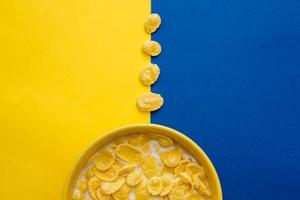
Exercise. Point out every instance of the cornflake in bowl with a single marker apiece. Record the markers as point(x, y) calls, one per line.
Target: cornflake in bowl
point(143, 162)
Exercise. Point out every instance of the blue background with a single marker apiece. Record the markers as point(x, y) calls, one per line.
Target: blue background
point(230, 76)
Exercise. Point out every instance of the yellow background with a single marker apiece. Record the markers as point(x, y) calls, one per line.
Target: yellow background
point(68, 72)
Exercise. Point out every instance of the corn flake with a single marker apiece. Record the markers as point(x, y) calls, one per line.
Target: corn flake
point(152, 23)
point(93, 185)
point(150, 167)
point(126, 169)
point(123, 193)
point(129, 153)
point(108, 188)
point(181, 167)
point(134, 178)
point(101, 196)
point(117, 165)
point(151, 48)
point(149, 102)
point(193, 168)
point(141, 192)
point(179, 191)
point(105, 159)
point(109, 175)
point(149, 74)
point(186, 177)
point(203, 190)
point(171, 158)
point(154, 185)
point(167, 182)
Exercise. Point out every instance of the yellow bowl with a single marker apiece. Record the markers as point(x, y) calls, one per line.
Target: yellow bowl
point(191, 146)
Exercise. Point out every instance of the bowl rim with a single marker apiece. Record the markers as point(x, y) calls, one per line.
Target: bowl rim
point(116, 131)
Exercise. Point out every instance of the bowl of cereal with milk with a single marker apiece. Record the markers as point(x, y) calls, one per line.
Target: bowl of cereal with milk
point(143, 162)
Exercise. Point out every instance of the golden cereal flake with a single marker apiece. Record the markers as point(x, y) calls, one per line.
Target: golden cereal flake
point(203, 190)
point(181, 167)
point(134, 178)
point(186, 177)
point(141, 192)
point(154, 185)
point(82, 185)
point(77, 195)
point(193, 168)
point(108, 188)
point(109, 175)
point(105, 159)
point(165, 141)
point(117, 165)
point(138, 140)
point(101, 196)
point(150, 167)
point(151, 48)
point(167, 170)
point(171, 158)
point(196, 181)
point(89, 173)
point(93, 185)
point(126, 169)
point(149, 102)
point(145, 148)
point(149, 74)
point(179, 190)
point(167, 182)
point(152, 23)
point(123, 193)
point(129, 153)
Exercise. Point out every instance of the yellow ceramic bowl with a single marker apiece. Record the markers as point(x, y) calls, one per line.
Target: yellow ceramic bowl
point(191, 146)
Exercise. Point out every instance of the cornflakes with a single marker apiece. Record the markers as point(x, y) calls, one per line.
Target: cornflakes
point(123, 193)
point(105, 159)
point(154, 185)
point(152, 23)
point(142, 166)
point(129, 153)
point(186, 177)
point(167, 182)
point(126, 169)
point(117, 165)
point(149, 102)
point(134, 178)
point(203, 190)
point(109, 175)
point(150, 167)
point(149, 74)
point(101, 196)
point(171, 158)
point(181, 167)
point(112, 187)
point(93, 185)
point(180, 190)
point(151, 48)
point(193, 168)
point(141, 192)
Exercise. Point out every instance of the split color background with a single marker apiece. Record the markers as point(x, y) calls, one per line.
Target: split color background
point(229, 75)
